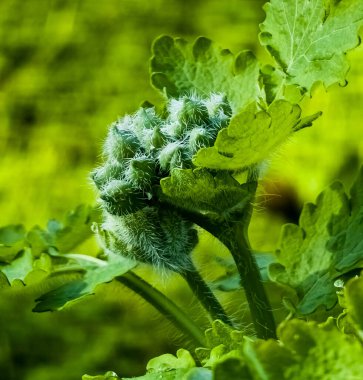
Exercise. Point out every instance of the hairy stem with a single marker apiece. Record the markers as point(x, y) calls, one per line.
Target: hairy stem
point(235, 236)
point(206, 297)
point(237, 242)
point(163, 304)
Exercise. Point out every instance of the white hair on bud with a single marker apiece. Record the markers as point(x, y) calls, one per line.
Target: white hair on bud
point(151, 236)
point(134, 226)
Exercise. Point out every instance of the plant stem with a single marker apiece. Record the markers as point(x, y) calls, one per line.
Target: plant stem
point(237, 242)
point(166, 307)
point(235, 236)
point(206, 297)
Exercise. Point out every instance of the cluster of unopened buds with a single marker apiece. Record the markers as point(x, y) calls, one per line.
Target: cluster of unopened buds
point(139, 151)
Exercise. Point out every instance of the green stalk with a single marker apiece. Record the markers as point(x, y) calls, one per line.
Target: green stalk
point(206, 297)
point(237, 242)
point(235, 236)
point(163, 304)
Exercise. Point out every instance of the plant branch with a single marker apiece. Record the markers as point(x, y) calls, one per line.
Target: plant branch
point(206, 297)
point(163, 304)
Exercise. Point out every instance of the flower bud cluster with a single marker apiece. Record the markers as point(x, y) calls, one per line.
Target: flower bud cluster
point(139, 151)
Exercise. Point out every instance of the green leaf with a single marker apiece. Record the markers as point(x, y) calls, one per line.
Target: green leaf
point(267, 360)
point(354, 300)
point(231, 368)
point(39, 240)
point(107, 376)
point(11, 242)
point(4, 282)
point(326, 245)
point(232, 281)
point(76, 228)
point(322, 352)
point(198, 374)
point(19, 268)
point(183, 359)
point(250, 138)
point(305, 351)
point(179, 68)
point(222, 341)
point(170, 367)
point(347, 230)
point(74, 290)
point(220, 333)
point(199, 190)
point(309, 39)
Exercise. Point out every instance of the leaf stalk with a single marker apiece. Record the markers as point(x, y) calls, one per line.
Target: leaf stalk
point(164, 305)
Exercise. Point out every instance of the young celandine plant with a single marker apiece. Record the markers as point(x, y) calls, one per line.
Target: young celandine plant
point(197, 162)
point(165, 172)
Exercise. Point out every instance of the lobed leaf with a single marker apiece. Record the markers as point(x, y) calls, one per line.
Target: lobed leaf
point(75, 229)
point(250, 138)
point(30, 257)
point(305, 351)
point(178, 68)
point(199, 190)
point(95, 275)
point(326, 245)
point(309, 39)
point(354, 300)
point(11, 242)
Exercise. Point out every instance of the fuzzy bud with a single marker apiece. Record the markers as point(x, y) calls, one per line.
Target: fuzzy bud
point(104, 174)
point(173, 155)
point(141, 172)
point(199, 138)
point(188, 111)
point(120, 198)
point(158, 139)
point(153, 236)
point(218, 106)
point(121, 143)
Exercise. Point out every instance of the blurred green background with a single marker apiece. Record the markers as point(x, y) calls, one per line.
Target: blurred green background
point(68, 68)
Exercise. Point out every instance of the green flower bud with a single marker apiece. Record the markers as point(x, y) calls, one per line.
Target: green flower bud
point(141, 172)
point(121, 143)
point(173, 155)
point(158, 139)
point(218, 106)
point(175, 129)
point(188, 111)
point(153, 236)
point(104, 174)
point(199, 138)
point(145, 118)
point(120, 198)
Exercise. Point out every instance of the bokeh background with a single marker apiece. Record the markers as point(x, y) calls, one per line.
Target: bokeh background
point(68, 68)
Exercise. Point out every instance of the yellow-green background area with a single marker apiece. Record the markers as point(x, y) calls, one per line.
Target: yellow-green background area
point(68, 68)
